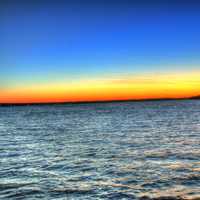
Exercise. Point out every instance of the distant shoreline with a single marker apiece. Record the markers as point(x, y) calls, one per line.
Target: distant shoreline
point(93, 102)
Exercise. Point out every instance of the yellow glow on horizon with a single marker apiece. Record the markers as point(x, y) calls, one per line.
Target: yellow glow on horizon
point(170, 85)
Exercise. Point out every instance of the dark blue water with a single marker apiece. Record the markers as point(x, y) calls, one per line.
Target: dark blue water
point(100, 151)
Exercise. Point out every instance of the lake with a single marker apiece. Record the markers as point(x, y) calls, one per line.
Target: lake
point(117, 150)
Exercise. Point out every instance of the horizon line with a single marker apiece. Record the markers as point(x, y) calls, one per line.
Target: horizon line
point(97, 101)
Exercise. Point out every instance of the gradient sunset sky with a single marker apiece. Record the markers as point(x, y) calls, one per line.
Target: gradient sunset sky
point(54, 51)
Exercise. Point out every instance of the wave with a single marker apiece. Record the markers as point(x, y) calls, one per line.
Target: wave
point(168, 198)
point(72, 191)
point(6, 186)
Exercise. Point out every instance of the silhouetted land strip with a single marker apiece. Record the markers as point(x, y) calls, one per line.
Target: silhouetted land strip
point(195, 97)
point(93, 102)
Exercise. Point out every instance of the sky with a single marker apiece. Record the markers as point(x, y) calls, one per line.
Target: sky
point(55, 51)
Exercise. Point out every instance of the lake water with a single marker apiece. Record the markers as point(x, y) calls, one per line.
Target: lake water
point(100, 151)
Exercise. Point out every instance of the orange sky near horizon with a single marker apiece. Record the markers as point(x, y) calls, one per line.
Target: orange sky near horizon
point(98, 51)
point(146, 86)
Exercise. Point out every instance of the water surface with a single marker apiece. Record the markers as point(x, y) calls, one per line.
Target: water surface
point(100, 151)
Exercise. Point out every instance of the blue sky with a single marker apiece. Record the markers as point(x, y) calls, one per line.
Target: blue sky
point(45, 40)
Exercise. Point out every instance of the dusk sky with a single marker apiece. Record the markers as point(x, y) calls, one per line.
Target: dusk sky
point(98, 50)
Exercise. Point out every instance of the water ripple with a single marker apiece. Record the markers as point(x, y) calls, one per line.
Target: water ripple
point(138, 150)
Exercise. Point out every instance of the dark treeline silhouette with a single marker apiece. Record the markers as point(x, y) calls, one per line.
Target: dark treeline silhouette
point(106, 101)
